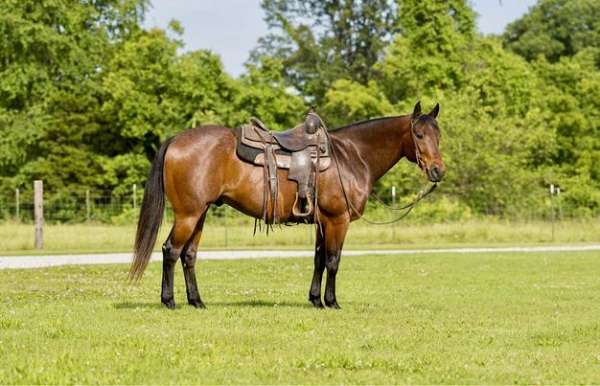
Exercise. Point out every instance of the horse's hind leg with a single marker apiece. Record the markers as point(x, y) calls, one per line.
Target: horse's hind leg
point(188, 262)
point(180, 236)
point(314, 295)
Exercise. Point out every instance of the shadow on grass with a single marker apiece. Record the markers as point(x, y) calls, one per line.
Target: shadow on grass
point(260, 303)
point(133, 305)
point(243, 303)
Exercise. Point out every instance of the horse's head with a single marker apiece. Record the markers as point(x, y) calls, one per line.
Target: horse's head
point(426, 136)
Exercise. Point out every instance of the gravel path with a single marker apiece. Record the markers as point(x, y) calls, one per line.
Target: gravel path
point(12, 262)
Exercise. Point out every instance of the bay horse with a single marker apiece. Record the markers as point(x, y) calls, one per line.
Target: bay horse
point(200, 167)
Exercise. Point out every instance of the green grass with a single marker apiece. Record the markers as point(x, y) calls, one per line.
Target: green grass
point(489, 318)
point(18, 238)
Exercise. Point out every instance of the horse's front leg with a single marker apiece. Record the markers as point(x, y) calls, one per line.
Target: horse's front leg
point(335, 233)
point(314, 295)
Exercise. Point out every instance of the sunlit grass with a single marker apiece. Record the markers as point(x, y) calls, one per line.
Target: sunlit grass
point(453, 319)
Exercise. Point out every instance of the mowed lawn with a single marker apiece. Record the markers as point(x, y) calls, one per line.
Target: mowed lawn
point(451, 318)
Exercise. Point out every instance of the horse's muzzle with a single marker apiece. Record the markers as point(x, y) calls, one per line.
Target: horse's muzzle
point(435, 173)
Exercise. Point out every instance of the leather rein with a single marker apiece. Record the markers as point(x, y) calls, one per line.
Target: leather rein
point(408, 207)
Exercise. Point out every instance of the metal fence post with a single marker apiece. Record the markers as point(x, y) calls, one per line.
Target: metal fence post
point(552, 208)
point(225, 223)
point(38, 212)
point(87, 205)
point(134, 196)
point(394, 206)
point(17, 205)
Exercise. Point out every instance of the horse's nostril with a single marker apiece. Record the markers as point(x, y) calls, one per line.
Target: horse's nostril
point(435, 173)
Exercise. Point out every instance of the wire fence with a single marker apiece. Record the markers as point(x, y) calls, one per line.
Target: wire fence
point(122, 207)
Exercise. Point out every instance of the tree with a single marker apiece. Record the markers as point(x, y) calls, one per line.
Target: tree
point(555, 28)
point(347, 102)
point(319, 41)
point(428, 52)
point(263, 93)
point(52, 57)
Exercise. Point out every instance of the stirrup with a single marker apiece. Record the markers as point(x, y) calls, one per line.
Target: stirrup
point(297, 213)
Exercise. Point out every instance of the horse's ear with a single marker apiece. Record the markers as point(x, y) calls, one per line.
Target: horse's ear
point(417, 110)
point(436, 110)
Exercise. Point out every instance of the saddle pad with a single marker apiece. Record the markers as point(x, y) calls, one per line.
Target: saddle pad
point(284, 161)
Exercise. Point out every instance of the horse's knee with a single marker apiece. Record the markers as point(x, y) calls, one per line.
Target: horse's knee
point(170, 255)
point(189, 259)
point(332, 263)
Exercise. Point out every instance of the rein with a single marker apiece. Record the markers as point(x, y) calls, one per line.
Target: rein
point(408, 208)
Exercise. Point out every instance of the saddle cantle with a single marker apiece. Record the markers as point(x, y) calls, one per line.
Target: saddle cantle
point(303, 150)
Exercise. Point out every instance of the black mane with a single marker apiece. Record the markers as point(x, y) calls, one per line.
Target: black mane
point(366, 121)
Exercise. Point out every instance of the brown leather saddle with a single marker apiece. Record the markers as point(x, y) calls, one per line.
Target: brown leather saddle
point(302, 150)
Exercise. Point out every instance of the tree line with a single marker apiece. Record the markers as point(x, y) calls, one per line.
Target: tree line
point(87, 94)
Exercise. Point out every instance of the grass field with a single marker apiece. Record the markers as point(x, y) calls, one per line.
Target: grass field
point(18, 238)
point(489, 318)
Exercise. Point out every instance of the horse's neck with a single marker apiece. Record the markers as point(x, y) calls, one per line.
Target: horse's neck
point(380, 143)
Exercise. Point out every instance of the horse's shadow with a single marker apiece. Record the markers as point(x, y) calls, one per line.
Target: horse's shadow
point(134, 305)
point(261, 303)
point(242, 303)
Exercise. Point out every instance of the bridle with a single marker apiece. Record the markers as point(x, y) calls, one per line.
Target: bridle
point(418, 158)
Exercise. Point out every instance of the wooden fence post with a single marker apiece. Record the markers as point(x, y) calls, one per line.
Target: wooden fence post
point(38, 211)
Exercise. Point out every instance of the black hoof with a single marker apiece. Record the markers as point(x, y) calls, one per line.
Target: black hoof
point(333, 305)
point(316, 301)
point(169, 303)
point(196, 303)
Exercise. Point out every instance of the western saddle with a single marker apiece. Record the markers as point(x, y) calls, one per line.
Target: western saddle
point(302, 150)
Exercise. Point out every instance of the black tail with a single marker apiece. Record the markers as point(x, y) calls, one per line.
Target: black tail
point(151, 215)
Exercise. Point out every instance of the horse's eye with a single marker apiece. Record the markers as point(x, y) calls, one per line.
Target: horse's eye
point(419, 135)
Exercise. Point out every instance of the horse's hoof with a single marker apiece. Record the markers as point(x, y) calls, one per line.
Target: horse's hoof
point(169, 303)
point(316, 301)
point(196, 303)
point(333, 305)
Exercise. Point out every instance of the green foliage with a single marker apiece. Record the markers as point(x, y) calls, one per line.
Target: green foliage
point(87, 95)
point(320, 41)
point(428, 52)
point(264, 93)
point(347, 101)
point(555, 28)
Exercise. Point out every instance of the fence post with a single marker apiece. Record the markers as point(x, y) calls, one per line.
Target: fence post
point(134, 196)
point(394, 206)
point(17, 205)
point(560, 213)
point(38, 211)
point(552, 208)
point(87, 205)
point(225, 223)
